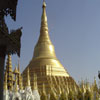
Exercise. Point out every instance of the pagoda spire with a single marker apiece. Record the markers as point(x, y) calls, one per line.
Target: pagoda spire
point(44, 34)
point(9, 72)
point(44, 24)
point(16, 72)
point(44, 46)
point(95, 88)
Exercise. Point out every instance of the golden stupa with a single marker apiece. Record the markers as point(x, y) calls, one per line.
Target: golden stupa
point(11, 75)
point(9, 72)
point(45, 64)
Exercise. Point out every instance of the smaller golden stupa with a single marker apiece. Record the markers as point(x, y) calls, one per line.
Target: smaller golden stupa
point(12, 75)
point(9, 72)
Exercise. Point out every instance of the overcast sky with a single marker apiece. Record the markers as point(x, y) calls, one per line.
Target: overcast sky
point(74, 27)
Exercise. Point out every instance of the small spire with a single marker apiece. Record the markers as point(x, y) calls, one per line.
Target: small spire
point(44, 24)
point(95, 88)
point(35, 82)
point(18, 65)
point(16, 71)
point(94, 80)
point(5, 82)
point(16, 85)
point(28, 78)
point(9, 71)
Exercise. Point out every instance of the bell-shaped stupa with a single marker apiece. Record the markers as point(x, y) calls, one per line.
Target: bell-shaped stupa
point(45, 64)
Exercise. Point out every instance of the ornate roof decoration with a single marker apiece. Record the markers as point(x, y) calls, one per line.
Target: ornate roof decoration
point(11, 41)
point(8, 7)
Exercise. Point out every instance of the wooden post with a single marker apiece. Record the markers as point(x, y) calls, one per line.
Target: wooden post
point(2, 64)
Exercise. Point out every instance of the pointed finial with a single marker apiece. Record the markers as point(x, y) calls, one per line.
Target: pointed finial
point(19, 65)
point(16, 70)
point(94, 80)
point(44, 4)
point(44, 17)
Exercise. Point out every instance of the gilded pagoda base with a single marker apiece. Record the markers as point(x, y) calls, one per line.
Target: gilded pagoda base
point(56, 79)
